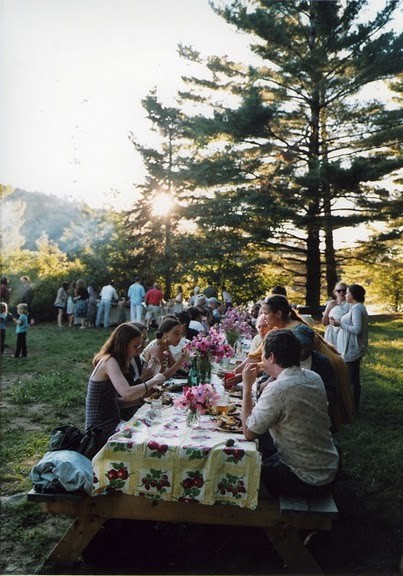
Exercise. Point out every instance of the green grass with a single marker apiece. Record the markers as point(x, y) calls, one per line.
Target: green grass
point(48, 389)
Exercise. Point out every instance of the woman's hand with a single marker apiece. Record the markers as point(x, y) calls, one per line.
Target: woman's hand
point(334, 322)
point(157, 380)
point(150, 369)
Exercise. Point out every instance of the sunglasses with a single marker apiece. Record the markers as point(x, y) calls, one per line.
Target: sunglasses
point(341, 290)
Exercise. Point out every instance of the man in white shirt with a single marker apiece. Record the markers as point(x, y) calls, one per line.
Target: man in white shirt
point(293, 407)
point(108, 293)
point(136, 294)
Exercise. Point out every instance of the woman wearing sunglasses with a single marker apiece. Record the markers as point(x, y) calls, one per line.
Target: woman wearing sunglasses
point(335, 309)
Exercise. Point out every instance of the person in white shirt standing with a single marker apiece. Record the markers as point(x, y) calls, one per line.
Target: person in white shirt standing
point(293, 408)
point(108, 293)
point(136, 294)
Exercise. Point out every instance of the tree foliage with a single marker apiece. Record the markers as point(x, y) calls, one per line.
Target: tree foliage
point(300, 151)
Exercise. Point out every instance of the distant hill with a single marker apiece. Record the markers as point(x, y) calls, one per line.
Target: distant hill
point(42, 213)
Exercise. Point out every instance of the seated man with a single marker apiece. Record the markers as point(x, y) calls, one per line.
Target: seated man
point(293, 407)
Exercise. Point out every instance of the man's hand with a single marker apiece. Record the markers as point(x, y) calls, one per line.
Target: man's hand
point(249, 374)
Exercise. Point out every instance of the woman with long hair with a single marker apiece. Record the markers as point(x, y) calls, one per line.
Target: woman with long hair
point(108, 388)
point(279, 314)
point(352, 338)
point(168, 334)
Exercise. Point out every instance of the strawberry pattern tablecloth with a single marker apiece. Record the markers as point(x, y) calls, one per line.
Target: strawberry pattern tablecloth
point(166, 459)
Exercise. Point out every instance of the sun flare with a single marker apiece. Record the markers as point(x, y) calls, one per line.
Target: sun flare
point(163, 204)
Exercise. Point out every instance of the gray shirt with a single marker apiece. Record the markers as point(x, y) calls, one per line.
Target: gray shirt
point(352, 339)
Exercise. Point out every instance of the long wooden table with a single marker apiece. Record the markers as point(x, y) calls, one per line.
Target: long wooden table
point(281, 521)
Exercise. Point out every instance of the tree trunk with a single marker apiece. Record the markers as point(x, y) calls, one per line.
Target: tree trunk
point(313, 268)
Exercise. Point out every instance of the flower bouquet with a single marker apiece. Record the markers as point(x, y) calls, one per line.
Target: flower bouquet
point(235, 324)
point(197, 400)
point(204, 349)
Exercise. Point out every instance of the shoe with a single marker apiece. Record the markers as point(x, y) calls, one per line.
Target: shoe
point(82, 327)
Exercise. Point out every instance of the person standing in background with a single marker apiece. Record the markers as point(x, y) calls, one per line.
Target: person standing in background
point(136, 294)
point(210, 291)
point(21, 326)
point(5, 291)
point(3, 316)
point(108, 293)
point(26, 295)
point(92, 304)
point(154, 300)
point(352, 339)
point(60, 302)
point(226, 298)
point(81, 300)
point(71, 305)
point(178, 305)
point(335, 308)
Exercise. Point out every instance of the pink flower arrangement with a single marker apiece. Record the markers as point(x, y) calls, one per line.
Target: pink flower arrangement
point(197, 398)
point(235, 324)
point(213, 345)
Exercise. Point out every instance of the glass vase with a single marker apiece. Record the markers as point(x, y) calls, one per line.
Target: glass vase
point(204, 370)
point(192, 419)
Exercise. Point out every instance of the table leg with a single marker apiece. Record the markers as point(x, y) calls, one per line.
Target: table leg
point(75, 540)
point(289, 545)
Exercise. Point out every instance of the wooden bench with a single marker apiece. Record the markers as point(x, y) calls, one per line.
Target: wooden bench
point(280, 519)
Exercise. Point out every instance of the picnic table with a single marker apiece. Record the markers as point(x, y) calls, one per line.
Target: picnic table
point(162, 470)
point(167, 460)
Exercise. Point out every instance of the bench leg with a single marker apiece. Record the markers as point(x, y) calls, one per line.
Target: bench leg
point(78, 536)
point(295, 555)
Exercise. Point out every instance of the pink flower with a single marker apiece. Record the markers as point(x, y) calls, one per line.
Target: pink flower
point(198, 398)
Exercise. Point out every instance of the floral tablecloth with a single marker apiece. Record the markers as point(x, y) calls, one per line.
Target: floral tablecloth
point(166, 459)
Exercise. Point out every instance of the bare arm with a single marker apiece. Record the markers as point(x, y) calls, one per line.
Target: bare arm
point(128, 393)
point(329, 306)
point(248, 379)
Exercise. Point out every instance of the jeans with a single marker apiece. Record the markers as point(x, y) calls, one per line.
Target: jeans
point(136, 312)
point(280, 479)
point(21, 345)
point(104, 308)
point(354, 372)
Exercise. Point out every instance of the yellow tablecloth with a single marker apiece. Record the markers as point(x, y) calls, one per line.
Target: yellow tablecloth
point(166, 459)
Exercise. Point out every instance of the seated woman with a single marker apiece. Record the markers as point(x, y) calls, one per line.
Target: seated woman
point(168, 334)
point(108, 388)
point(262, 328)
point(279, 314)
point(195, 324)
point(139, 372)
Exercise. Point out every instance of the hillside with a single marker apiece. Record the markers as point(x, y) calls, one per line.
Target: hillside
point(27, 215)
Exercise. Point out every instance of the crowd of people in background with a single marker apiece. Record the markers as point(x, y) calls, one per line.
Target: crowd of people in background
point(86, 306)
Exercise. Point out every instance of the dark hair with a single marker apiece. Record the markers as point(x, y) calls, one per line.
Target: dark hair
point(137, 279)
point(166, 325)
point(139, 326)
point(195, 312)
point(184, 317)
point(357, 292)
point(278, 302)
point(65, 285)
point(285, 346)
point(117, 343)
point(279, 290)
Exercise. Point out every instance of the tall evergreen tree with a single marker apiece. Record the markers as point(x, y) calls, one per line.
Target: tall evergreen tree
point(303, 143)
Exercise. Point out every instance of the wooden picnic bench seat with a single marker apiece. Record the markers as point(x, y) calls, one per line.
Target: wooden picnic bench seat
point(281, 519)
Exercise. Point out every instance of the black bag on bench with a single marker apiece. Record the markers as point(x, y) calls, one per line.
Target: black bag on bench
point(71, 438)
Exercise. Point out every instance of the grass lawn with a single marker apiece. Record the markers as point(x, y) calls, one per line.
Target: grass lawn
point(48, 389)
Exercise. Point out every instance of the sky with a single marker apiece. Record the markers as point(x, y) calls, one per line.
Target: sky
point(73, 73)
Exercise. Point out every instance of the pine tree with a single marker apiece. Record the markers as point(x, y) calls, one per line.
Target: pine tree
point(300, 151)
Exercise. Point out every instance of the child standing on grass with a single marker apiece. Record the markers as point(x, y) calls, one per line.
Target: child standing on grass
point(21, 330)
point(3, 316)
